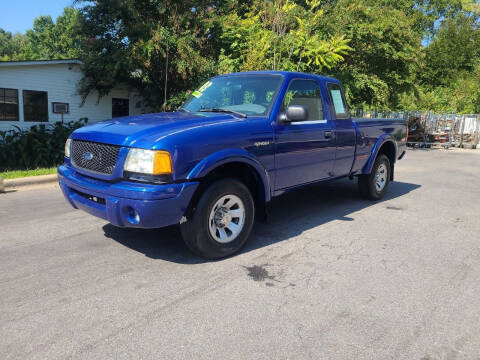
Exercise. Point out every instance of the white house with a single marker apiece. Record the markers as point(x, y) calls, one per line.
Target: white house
point(39, 92)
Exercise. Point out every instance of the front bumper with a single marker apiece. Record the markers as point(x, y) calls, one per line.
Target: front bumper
point(126, 203)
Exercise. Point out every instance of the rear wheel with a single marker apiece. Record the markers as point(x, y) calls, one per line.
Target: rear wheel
point(222, 220)
point(374, 185)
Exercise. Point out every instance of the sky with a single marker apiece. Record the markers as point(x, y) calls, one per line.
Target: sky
point(18, 15)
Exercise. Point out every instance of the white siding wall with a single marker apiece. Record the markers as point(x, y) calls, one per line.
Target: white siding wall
point(61, 83)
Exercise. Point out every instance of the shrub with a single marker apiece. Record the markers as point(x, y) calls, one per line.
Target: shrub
point(41, 146)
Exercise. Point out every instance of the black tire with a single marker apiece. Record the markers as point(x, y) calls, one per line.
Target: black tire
point(195, 231)
point(367, 183)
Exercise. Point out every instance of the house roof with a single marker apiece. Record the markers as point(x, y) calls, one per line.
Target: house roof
point(40, 62)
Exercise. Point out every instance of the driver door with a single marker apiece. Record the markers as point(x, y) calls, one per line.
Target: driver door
point(305, 150)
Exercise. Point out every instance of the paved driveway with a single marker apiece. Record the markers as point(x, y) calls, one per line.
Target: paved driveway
point(331, 276)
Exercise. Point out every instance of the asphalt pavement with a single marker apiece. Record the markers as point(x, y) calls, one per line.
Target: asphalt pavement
point(329, 276)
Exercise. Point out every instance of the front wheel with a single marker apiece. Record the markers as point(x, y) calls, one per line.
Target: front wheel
point(374, 185)
point(222, 221)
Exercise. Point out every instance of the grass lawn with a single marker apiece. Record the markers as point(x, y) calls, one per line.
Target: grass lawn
point(24, 173)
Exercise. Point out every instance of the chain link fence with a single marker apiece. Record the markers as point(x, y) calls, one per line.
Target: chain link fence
point(426, 129)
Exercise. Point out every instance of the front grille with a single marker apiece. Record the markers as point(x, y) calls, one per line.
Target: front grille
point(96, 157)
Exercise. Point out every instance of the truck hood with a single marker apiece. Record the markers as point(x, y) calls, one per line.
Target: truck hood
point(145, 130)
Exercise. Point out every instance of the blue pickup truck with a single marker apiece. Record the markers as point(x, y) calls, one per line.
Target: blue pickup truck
point(214, 165)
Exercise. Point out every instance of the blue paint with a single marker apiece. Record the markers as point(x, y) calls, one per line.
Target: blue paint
point(283, 155)
point(157, 205)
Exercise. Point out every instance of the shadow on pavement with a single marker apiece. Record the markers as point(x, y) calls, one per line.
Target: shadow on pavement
point(290, 215)
point(8, 191)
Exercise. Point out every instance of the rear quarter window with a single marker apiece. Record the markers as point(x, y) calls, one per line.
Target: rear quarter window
point(337, 98)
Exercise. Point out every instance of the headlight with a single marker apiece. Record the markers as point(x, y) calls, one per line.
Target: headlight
point(68, 145)
point(150, 162)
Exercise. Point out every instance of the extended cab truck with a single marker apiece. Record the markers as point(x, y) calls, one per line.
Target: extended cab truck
point(238, 141)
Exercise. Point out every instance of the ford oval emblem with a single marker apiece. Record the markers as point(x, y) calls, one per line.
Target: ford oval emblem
point(87, 156)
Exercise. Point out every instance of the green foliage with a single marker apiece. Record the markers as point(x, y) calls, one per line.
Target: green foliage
point(40, 147)
point(403, 54)
point(449, 78)
point(131, 42)
point(280, 35)
point(374, 46)
point(471, 6)
point(55, 40)
point(11, 45)
point(47, 40)
point(386, 51)
point(461, 95)
point(455, 48)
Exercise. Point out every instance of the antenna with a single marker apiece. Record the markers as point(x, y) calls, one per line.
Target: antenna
point(166, 82)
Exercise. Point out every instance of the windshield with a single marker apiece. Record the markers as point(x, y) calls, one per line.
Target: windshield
point(246, 94)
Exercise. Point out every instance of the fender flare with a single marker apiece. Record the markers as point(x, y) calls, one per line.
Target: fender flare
point(226, 156)
point(382, 140)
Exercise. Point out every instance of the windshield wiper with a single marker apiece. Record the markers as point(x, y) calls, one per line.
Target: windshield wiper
point(220, 110)
point(183, 109)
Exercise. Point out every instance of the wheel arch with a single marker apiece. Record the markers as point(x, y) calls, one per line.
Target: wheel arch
point(232, 164)
point(384, 145)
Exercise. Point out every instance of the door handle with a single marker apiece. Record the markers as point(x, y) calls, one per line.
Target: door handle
point(328, 134)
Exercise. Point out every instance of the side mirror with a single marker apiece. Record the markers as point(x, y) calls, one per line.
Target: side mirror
point(296, 113)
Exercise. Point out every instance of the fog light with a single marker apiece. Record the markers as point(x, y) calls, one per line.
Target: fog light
point(133, 216)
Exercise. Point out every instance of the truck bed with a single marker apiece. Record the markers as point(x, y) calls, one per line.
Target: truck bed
point(369, 131)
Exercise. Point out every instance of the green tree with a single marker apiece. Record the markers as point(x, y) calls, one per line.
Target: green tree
point(455, 49)
point(146, 44)
point(11, 45)
point(54, 40)
point(279, 35)
point(6, 45)
point(450, 74)
point(461, 96)
point(375, 47)
point(386, 50)
point(471, 6)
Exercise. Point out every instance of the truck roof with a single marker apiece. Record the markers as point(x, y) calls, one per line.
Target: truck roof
point(283, 73)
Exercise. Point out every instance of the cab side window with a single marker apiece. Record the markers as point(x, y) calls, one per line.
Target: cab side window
point(305, 93)
point(338, 101)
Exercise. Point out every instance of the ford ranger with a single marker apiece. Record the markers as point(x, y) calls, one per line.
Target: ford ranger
point(214, 165)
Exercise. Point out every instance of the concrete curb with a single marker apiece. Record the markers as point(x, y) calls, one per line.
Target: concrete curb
point(28, 181)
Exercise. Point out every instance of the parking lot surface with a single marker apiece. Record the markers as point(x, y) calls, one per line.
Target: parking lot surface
point(329, 276)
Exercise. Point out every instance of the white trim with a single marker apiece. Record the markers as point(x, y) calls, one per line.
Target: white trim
point(308, 122)
point(39, 62)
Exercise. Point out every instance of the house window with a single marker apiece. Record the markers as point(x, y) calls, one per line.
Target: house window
point(120, 107)
point(35, 105)
point(8, 104)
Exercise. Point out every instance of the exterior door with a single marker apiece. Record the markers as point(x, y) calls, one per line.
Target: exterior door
point(120, 107)
point(344, 131)
point(305, 150)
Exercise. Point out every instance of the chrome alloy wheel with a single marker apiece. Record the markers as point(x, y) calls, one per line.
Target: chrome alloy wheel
point(381, 177)
point(226, 219)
